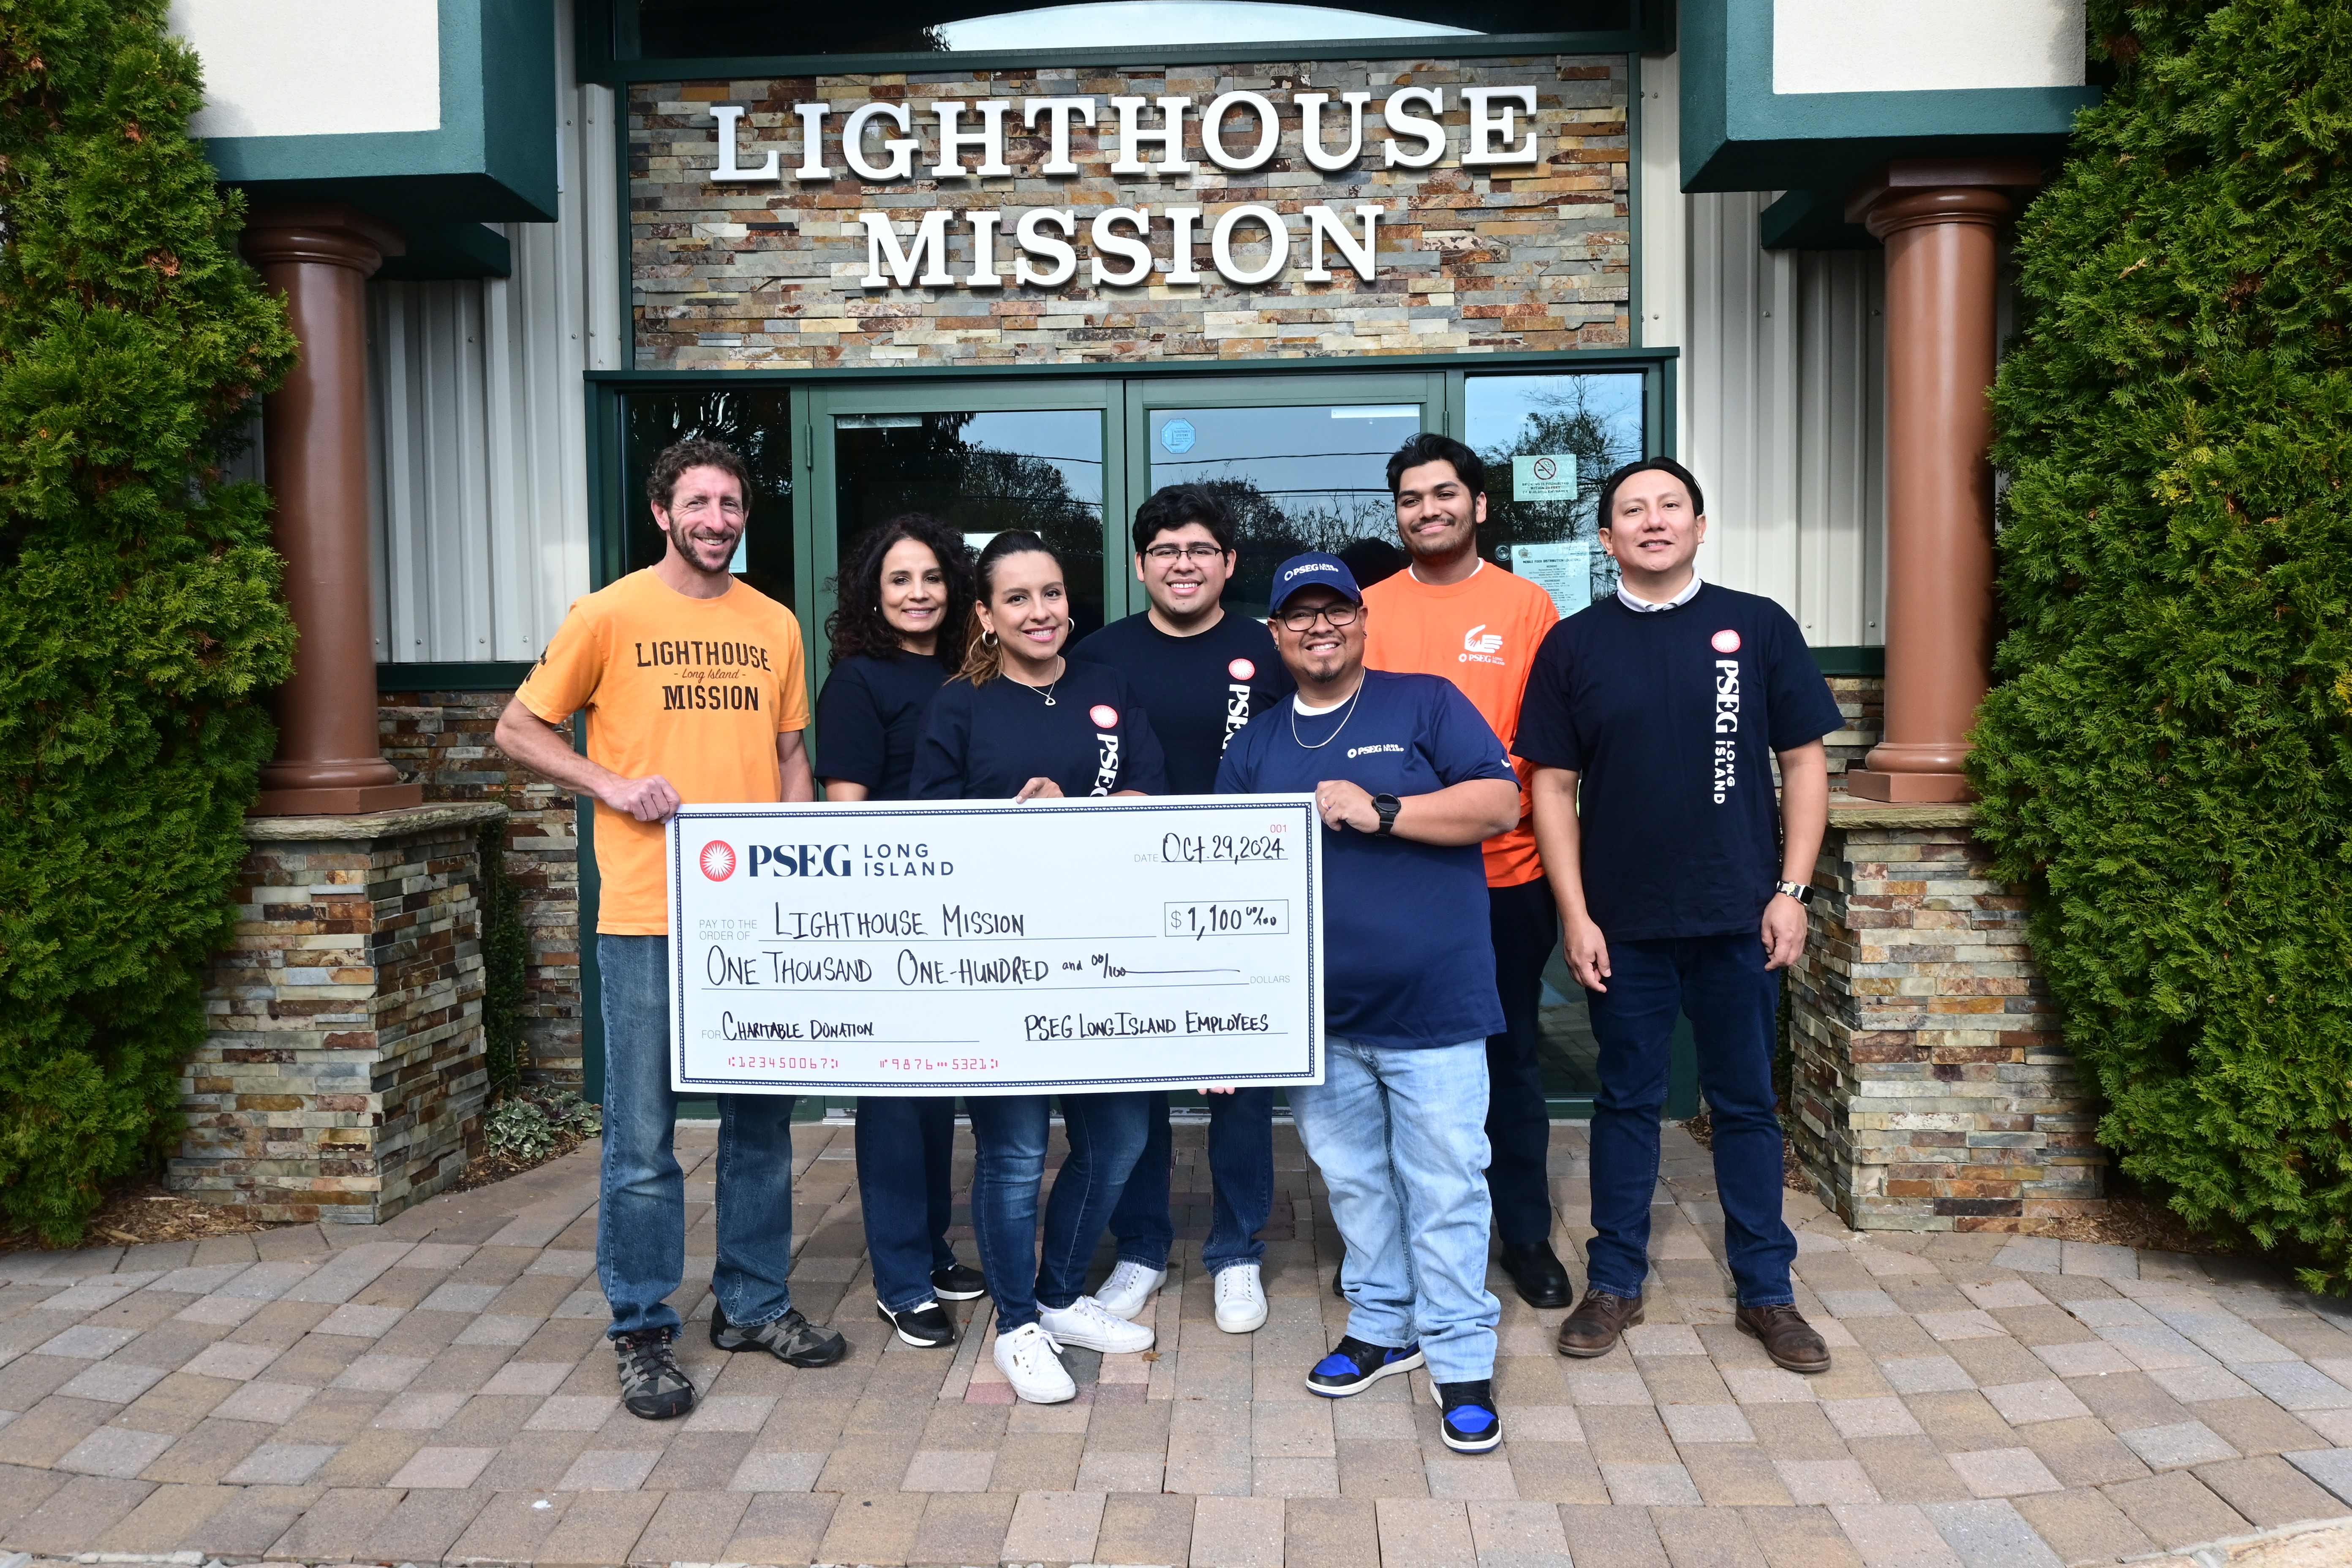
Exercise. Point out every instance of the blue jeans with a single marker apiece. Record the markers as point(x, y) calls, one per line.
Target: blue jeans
point(1401, 1138)
point(906, 1158)
point(641, 1216)
point(1733, 1002)
point(1241, 1183)
point(1105, 1133)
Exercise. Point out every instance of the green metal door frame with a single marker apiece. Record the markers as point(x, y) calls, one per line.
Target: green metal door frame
point(1126, 394)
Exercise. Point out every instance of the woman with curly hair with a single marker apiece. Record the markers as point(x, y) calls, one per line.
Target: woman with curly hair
point(904, 595)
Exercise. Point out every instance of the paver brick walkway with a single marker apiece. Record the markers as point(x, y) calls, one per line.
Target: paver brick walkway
point(437, 1389)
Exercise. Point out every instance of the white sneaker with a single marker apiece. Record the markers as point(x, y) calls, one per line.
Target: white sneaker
point(1130, 1288)
point(1088, 1324)
point(1026, 1357)
point(1241, 1298)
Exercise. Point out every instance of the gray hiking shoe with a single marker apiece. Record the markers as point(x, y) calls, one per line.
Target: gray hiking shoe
point(653, 1385)
point(790, 1338)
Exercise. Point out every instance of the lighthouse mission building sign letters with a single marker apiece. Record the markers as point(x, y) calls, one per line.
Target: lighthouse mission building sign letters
point(1158, 137)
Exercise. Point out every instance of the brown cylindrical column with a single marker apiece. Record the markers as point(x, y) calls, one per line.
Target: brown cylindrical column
point(314, 432)
point(1939, 221)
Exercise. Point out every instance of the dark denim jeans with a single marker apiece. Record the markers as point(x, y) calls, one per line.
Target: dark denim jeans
point(1241, 1183)
point(1526, 928)
point(906, 1157)
point(1106, 1132)
point(1733, 1001)
point(641, 1219)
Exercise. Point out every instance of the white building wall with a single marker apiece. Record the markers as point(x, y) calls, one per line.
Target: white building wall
point(480, 458)
point(1784, 398)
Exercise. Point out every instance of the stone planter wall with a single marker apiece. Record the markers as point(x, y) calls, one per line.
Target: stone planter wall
point(1931, 1087)
point(344, 1078)
point(442, 741)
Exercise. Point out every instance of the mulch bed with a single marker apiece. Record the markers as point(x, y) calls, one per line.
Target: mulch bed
point(139, 1211)
point(491, 1168)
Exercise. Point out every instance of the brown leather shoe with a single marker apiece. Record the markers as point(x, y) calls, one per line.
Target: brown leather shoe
point(1592, 1329)
point(1788, 1339)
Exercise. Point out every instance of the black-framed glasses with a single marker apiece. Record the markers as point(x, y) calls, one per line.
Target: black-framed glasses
point(1164, 553)
point(1340, 614)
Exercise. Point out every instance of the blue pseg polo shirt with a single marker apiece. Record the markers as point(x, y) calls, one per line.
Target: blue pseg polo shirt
point(1670, 720)
point(1407, 957)
point(985, 742)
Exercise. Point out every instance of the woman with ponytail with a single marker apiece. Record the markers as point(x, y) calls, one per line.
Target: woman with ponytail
point(1021, 721)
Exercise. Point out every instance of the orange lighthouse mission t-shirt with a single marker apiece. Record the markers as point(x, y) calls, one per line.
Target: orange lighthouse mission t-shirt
point(1481, 634)
point(694, 690)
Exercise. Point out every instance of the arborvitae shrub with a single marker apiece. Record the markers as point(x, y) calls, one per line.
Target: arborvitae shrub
point(2167, 761)
point(139, 613)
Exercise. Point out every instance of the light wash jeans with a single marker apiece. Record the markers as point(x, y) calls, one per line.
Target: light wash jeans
point(1401, 1137)
point(641, 1219)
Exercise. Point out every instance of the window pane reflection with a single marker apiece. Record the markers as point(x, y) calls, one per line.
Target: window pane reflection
point(1297, 478)
point(1572, 430)
point(1041, 470)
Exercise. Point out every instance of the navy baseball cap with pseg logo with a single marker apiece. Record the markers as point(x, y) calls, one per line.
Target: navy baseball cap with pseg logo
point(1313, 570)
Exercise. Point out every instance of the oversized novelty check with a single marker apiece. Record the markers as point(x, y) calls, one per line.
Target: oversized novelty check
point(982, 947)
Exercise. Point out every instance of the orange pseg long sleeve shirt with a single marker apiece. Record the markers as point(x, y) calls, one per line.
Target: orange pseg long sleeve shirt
point(1481, 634)
point(694, 690)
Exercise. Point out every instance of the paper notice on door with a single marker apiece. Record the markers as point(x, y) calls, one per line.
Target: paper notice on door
point(1550, 477)
point(1563, 569)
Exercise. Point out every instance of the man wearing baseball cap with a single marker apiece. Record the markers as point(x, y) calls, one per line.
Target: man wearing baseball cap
point(1409, 780)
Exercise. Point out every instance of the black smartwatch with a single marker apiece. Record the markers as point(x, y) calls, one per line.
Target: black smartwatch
point(1388, 806)
point(1801, 891)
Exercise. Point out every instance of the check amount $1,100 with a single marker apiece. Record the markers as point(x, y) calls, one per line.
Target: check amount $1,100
point(1218, 918)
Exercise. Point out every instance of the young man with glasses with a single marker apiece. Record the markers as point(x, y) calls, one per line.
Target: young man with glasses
point(1201, 673)
point(1408, 780)
point(1450, 614)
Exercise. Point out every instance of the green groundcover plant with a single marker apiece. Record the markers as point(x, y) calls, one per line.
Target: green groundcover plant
point(2167, 761)
point(140, 612)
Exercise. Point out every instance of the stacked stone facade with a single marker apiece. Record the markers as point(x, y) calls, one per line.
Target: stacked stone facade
point(1470, 261)
point(443, 740)
point(1862, 702)
point(1932, 1089)
point(342, 1076)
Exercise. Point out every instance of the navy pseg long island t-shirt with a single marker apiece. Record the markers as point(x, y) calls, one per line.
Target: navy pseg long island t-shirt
point(868, 717)
point(1200, 690)
point(1670, 719)
point(1408, 959)
point(984, 742)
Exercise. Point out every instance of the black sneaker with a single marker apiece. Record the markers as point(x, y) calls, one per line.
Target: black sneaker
point(1466, 1416)
point(957, 1283)
point(791, 1339)
point(1355, 1367)
point(926, 1327)
point(653, 1385)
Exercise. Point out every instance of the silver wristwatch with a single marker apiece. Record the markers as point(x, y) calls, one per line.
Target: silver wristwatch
point(1801, 891)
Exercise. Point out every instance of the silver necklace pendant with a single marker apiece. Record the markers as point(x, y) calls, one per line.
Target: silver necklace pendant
point(1049, 700)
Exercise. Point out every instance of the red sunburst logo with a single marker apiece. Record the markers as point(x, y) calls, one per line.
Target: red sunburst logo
point(717, 860)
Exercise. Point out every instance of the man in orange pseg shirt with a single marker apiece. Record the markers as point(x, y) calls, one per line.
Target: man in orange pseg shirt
point(1450, 613)
point(693, 689)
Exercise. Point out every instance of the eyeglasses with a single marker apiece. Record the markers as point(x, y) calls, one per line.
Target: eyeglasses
point(1340, 614)
point(1164, 553)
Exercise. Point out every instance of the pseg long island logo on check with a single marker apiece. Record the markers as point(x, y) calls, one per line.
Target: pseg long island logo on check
point(973, 947)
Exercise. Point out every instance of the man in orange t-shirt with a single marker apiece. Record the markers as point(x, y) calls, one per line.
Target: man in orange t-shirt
point(1450, 613)
point(693, 687)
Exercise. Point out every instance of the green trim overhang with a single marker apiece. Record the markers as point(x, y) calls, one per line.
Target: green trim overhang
point(491, 160)
point(1738, 135)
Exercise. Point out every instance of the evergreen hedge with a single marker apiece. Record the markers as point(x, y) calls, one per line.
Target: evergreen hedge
point(2167, 761)
point(140, 613)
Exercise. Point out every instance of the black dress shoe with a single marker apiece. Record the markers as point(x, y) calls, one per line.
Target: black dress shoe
point(1538, 1272)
